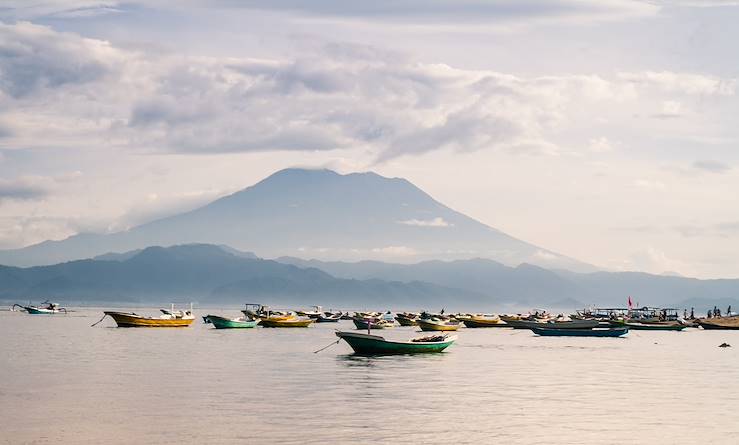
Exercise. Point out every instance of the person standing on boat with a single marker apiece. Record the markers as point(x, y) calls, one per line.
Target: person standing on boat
point(692, 313)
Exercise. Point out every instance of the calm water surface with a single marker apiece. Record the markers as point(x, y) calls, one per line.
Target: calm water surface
point(62, 381)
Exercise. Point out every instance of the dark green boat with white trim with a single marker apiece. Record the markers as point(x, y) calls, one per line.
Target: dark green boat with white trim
point(375, 344)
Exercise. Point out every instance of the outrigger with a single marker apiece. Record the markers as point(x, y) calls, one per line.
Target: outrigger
point(50, 308)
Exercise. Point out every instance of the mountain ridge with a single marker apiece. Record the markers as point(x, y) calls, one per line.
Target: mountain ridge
point(311, 213)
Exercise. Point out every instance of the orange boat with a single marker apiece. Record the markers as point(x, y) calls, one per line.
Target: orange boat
point(168, 319)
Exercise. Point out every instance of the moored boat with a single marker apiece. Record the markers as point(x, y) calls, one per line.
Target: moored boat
point(437, 324)
point(231, 323)
point(49, 309)
point(485, 322)
point(375, 344)
point(596, 332)
point(168, 319)
point(280, 322)
point(571, 324)
point(719, 322)
point(653, 326)
point(328, 317)
point(372, 323)
point(407, 319)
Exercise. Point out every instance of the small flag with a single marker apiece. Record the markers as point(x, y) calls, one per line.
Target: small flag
point(630, 304)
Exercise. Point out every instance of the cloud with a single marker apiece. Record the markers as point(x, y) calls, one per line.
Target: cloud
point(338, 97)
point(34, 57)
point(394, 251)
point(711, 166)
point(600, 145)
point(435, 222)
point(670, 109)
point(682, 83)
point(24, 188)
point(649, 184)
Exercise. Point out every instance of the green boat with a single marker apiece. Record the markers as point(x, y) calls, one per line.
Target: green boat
point(374, 344)
point(230, 323)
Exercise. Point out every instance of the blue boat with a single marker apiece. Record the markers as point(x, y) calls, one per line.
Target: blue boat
point(596, 332)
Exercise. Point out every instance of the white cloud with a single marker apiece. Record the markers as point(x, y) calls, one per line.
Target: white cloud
point(682, 83)
point(394, 251)
point(600, 145)
point(434, 222)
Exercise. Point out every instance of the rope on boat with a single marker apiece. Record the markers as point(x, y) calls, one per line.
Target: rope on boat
point(326, 347)
point(93, 325)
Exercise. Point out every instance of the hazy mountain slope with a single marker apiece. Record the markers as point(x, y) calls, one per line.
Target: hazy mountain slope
point(318, 213)
point(206, 273)
point(533, 286)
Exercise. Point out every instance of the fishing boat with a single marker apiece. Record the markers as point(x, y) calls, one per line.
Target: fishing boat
point(375, 344)
point(719, 322)
point(168, 319)
point(485, 322)
point(49, 309)
point(328, 317)
point(231, 323)
point(570, 324)
point(437, 324)
point(314, 314)
point(261, 312)
point(653, 326)
point(281, 322)
point(596, 332)
point(407, 319)
point(372, 322)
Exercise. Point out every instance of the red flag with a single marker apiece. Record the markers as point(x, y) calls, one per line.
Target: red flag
point(630, 304)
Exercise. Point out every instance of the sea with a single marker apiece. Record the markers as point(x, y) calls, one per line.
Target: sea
point(65, 382)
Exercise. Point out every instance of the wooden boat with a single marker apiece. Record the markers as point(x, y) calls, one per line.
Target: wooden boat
point(572, 324)
point(375, 344)
point(372, 323)
point(231, 323)
point(653, 326)
point(596, 332)
point(168, 319)
point(280, 322)
point(719, 322)
point(49, 309)
point(406, 319)
point(314, 314)
point(435, 324)
point(328, 317)
point(260, 311)
point(483, 322)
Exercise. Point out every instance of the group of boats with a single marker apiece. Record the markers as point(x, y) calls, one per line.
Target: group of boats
point(593, 322)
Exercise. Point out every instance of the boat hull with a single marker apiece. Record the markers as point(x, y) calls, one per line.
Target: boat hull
point(227, 323)
point(480, 323)
point(652, 326)
point(128, 320)
point(403, 321)
point(290, 323)
point(719, 323)
point(41, 311)
point(431, 326)
point(575, 324)
point(611, 332)
point(363, 324)
point(373, 344)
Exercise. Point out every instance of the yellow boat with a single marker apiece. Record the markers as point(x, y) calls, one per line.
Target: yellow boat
point(169, 319)
point(430, 324)
point(280, 322)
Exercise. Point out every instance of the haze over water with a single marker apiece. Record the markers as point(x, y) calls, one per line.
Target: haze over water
point(66, 382)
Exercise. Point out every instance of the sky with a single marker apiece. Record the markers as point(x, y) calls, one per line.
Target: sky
point(603, 130)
